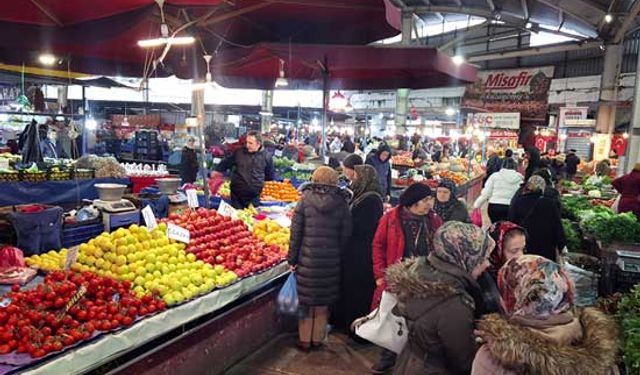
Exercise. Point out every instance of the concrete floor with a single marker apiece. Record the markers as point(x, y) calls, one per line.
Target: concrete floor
point(280, 356)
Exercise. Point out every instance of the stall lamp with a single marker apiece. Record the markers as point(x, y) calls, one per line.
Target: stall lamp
point(625, 135)
point(528, 25)
point(47, 59)
point(281, 81)
point(458, 59)
point(608, 18)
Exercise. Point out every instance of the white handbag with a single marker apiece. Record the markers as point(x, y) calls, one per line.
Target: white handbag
point(383, 328)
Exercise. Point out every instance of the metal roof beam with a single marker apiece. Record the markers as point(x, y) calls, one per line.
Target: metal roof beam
point(439, 15)
point(491, 5)
point(628, 21)
point(564, 47)
point(525, 9)
point(573, 8)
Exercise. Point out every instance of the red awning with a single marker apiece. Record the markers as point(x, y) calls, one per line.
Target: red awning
point(349, 67)
point(100, 38)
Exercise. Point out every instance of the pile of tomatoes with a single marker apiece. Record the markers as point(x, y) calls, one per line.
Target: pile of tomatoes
point(46, 319)
point(279, 191)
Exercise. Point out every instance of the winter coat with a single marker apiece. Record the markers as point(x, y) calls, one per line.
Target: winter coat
point(534, 162)
point(320, 229)
point(357, 282)
point(500, 188)
point(457, 212)
point(436, 300)
point(348, 146)
point(388, 245)
point(540, 216)
point(490, 293)
point(250, 171)
point(383, 168)
point(629, 188)
point(587, 345)
point(188, 165)
point(572, 161)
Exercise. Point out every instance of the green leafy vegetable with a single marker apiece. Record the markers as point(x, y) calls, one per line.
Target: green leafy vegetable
point(629, 316)
point(574, 241)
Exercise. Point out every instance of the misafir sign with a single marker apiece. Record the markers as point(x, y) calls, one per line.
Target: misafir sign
point(525, 91)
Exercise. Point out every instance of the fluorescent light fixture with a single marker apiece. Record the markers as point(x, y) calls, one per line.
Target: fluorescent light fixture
point(528, 25)
point(91, 124)
point(608, 18)
point(174, 41)
point(265, 113)
point(450, 111)
point(47, 59)
point(458, 59)
point(281, 82)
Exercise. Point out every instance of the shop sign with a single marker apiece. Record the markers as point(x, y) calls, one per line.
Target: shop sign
point(572, 114)
point(495, 120)
point(524, 91)
point(586, 123)
point(601, 146)
point(9, 93)
point(501, 134)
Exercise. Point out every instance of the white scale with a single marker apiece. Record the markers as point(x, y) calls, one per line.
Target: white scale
point(121, 205)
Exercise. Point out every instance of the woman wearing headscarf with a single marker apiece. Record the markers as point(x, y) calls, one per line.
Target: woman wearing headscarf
point(447, 205)
point(403, 232)
point(320, 228)
point(540, 216)
point(438, 296)
point(357, 282)
point(511, 242)
point(533, 162)
point(540, 334)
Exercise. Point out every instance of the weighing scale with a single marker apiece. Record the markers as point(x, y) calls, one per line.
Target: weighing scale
point(116, 214)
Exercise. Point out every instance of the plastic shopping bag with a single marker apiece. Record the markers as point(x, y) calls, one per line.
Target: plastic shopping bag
point(476, 217)
point(382, 327)
point(288, 297)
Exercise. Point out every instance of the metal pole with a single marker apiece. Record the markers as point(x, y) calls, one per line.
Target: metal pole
point(325, 107)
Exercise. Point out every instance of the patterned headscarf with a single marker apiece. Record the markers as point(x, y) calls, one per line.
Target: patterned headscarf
point(498, 232)
point(462, 245)
point(535, 183)
point(535, 287)
point(366, 181)
point(442, 209)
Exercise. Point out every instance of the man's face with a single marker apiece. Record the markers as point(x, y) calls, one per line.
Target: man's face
point(350, 173)
point(252, 144)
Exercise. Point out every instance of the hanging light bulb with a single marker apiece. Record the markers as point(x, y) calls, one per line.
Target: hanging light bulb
point(281, 81)
point(625, 135)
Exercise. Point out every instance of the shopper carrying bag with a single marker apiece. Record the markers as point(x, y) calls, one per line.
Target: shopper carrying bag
point(382, 327)
point(288, 297)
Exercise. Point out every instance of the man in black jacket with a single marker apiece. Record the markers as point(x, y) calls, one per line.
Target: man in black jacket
point(252, 166)
point(572, 161)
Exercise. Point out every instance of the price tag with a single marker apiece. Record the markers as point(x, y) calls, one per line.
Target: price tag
point(216, 160)
point(283, 221)
point(192, 198)
point(394, 173)
point(278, 153)
point(5, 302)
point(4, 163)
point(76, 297)
point(177, 233)
point(326, 160)
point(149, 218)
point(225, 209)
point(72, 255)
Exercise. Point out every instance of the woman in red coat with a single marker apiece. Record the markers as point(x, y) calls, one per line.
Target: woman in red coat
point(405, 231)
point(629, 188)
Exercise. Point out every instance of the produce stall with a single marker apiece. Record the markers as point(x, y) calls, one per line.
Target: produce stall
point(53, 192)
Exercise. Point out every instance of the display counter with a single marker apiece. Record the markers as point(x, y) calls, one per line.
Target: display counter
point(56, 193)
point(111, 347)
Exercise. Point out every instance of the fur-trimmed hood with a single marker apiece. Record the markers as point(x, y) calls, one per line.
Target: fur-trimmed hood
point(586, 345)
point(420, 286)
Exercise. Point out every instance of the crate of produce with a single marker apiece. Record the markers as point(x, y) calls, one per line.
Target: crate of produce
point(39, 176)
point(73, 235)
point(58, 174)
point(9, 176)
point(82, 173)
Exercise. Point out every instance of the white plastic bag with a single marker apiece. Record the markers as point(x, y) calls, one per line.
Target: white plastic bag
point(383, 328)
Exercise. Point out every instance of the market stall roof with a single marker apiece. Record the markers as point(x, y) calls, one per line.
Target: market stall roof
point(348, 67)
point(102, 38)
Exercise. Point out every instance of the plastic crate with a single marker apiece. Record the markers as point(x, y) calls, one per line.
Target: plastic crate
point(9, 177)
point(33, 177)
point(82, 173)
point(72, 236)
point(61, 175)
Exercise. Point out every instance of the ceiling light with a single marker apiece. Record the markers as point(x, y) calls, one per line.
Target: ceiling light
point(457, 59)
point(528, 25)
point(174, 41)
point(281, 81)
point(266, 113)
point(450, 112)
point(608, 18)
point(625, 135)
point(47, 59)
point(91, 124)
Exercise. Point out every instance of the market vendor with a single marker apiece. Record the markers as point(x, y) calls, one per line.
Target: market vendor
point(48, 143)
point(629, 188)
point(252, 166)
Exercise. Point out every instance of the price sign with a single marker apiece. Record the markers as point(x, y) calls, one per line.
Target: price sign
point(76, 297)
point(278, 153)
point(192, 198)
point(177, 233)
point(149, 217)
point(225, 209)
point(395, 173)
point(216, 160)
point(72, 255)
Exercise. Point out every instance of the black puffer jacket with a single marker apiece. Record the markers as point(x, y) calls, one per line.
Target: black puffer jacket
point(250, 171)
point(320, 228)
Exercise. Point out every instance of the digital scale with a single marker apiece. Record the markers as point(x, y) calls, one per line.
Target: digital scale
point(117, 214)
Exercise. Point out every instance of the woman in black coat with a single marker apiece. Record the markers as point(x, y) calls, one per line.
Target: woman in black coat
point(357, 283)
point(320, 229)
point(540, 216)
point(189, 162)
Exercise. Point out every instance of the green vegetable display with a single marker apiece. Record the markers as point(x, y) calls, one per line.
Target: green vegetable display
point(573, 204)
point(282, 163)
point(606, 226)
point(629, 316)
point(574, 241)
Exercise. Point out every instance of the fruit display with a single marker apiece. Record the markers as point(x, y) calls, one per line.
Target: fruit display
point(457, 177)
point(247, 215)
point(272, 233)
point(403, 160)
point(57, 173)
point(9, 176)
point(103, 166)
point(68, 307)
point(220, 241)
point(32, 174)
point(50, 261)
point(279, 191)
